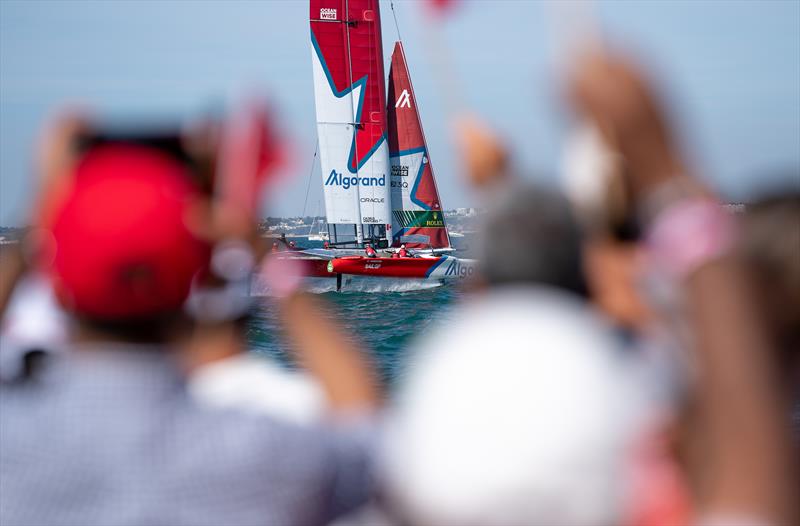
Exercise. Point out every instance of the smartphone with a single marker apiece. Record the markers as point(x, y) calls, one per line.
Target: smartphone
point(194, 148)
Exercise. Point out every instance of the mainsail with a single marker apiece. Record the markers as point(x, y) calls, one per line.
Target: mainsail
point(350, 98)
point(418, 220)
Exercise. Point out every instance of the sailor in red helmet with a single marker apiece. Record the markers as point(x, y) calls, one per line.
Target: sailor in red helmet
point(370, 251)
point(403, 252)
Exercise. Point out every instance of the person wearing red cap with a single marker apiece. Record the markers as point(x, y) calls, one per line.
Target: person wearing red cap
point(110, 434)
point(123, 247)
point(370, 251)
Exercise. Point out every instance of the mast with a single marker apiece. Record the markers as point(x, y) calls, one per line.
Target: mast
point(359, 232)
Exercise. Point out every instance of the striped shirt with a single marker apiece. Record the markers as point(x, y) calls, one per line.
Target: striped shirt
point(110, 437)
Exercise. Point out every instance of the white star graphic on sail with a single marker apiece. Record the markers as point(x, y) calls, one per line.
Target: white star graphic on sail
point(332, 108)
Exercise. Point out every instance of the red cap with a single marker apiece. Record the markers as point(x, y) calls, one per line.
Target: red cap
point(123, 250)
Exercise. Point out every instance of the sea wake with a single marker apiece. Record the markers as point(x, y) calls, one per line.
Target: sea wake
point(361, 284)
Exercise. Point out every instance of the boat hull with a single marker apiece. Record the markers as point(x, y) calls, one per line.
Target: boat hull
point(437, 268)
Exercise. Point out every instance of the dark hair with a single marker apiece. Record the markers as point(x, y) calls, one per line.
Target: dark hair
point(530, 235)
point(770, 246)
point(145, 330)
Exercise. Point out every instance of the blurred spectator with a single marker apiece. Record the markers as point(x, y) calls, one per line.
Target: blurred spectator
point(32, 320)
point(623, 286)
point(531, 236)
point(519, 410)
point(770, 245)
point(463, 392)
point(33, 323)
point(222, 371)
point(486, 160)
point(106, 433)
point(738, 459)
point(247, 381)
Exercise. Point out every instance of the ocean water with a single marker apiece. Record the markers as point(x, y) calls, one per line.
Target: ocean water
point(384, 317)
point(384, 322)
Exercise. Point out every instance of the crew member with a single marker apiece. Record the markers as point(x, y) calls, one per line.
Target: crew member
point(275, 246)
point(370, 251)
point(292, 246)
point(326, 245)
point(403, 252)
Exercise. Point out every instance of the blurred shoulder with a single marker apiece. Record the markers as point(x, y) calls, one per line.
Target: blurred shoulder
point(521, 316)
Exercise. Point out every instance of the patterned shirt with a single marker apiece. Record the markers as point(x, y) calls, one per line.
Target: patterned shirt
point(111, 438)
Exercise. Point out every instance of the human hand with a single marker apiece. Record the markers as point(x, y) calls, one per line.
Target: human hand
point(486, 159)
point(615, 95)
point(55, 159)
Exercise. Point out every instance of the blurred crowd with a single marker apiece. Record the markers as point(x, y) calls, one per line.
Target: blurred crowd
point(627, 355)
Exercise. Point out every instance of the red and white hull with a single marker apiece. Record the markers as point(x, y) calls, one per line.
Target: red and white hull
point(433, 268)
point(321, 263)
point(326, 271)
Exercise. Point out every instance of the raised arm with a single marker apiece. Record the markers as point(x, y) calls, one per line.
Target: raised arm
point(319, 344)
point(742, 468)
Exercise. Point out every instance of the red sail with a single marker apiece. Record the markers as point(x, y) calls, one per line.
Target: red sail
point(339, 26)
point(418, 219)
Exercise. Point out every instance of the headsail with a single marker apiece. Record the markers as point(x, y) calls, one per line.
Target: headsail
point(418, 219)
point(347, 57)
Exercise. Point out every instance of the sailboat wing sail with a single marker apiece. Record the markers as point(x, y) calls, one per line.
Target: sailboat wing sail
point(418, 219)
point(347, 59)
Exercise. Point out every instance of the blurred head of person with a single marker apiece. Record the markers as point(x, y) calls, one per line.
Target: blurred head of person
point(124, 253)
point(531, 236)
point(516, 409)
point(594, 182)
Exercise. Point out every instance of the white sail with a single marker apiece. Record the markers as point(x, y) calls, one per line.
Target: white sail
point(351, 122)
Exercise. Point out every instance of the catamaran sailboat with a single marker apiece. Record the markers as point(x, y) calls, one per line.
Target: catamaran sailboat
point(321, 234)
point(377, 173)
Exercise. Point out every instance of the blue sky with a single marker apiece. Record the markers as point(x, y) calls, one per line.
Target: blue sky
point(731, 71)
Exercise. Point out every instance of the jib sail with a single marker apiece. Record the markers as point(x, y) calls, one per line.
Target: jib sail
point(418, 219)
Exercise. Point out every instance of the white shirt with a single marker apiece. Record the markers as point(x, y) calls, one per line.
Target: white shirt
point(253, 383)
